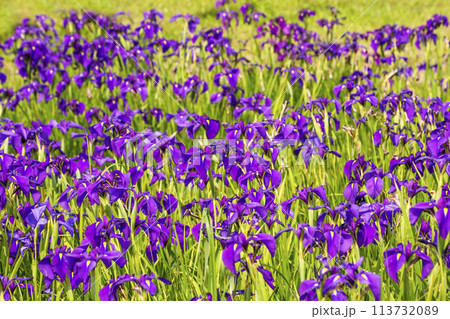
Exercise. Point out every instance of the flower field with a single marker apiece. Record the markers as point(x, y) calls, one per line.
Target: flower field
point(256, 158)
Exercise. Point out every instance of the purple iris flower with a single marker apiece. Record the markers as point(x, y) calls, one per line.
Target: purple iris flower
point(427, 235)
point(338, 242)
point(34, 215)
point(221, 3)
point(192, 122)
point(395, 258)
point(332, 280)
point(239, 243)
point(305, 195)
point(110, 293)
point(258, 103)
point(192, 84)
point(248, 11)
point(112, 81)
point(374, 182)
point(303, 14)
point(226, 17)
point(8, 286)
point(231, 75)
point(441, 214)
point(307, 290)
point(377, 137)
point(53, 266)
point(192, 21)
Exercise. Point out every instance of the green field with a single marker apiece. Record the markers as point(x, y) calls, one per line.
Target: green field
point(401, 12)
point(199, 269)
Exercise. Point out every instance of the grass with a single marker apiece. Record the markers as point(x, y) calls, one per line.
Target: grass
point(199, 269)
point(382, 12)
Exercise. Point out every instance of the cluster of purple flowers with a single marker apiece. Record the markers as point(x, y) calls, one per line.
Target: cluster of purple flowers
point(89, 174)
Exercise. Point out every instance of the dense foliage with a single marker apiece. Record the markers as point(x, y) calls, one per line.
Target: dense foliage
point(254, 160)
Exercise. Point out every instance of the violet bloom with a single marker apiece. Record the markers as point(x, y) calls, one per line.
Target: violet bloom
point(53, 266)
point(2, 78)
point(248, 11)
point(192, 21)
point(395, 258)
point(441, 214)
point(112, 81)
point(192, 84)
point(374, 182)
point(226, 17)
point(312, 236)
point(33, 215)
point(418, 209)
point(146, 282)
point(332, 280)
point(377, 137)
point(239, 243)
point(303, 14)
point(221, 3)
point(339, 242)
point(258, 103)
point(230, 74)
point(158, 235)
point(305, 195)
point(8, 286)
point(246, 8)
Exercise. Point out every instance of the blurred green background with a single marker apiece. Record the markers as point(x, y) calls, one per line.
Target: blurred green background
point(406, 12)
